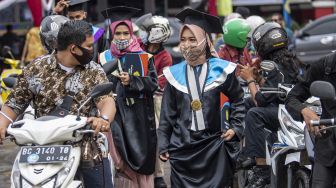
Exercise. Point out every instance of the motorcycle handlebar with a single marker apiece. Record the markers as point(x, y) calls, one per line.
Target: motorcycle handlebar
point(326, 122)
point(269, 89)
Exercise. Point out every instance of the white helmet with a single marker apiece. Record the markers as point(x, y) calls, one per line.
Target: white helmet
point(231, 16)
point(254, 22)
point(135, 28)
point(157, 28)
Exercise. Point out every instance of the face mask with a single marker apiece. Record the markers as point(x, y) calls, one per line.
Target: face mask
point(192, 53)
point(86, 58)
point(121, 44)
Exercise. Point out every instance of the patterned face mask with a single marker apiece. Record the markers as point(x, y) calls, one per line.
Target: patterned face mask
point(121, 44)
point(192, 53)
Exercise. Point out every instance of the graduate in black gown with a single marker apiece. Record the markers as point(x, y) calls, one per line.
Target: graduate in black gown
point(201, 152)
point(133, 147)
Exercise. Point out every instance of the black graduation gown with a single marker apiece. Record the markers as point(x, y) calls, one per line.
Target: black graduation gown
point(200, 158)
point(134, 130)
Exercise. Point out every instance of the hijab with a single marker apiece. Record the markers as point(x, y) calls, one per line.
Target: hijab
point(197, 55)
point(134, 46)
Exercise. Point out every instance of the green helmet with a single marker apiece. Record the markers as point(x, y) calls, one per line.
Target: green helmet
point(235, 32)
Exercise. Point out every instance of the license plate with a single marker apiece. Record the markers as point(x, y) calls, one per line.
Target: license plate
point(44, 154)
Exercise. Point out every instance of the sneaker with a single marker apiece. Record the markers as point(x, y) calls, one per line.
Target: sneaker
point(159, 182)
point(259, 177)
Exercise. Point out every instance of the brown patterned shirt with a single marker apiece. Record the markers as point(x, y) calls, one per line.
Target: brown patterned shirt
point(46, 84)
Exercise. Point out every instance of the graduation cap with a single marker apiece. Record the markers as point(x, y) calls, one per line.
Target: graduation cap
point(211, 24)
point(119, 13)
point(77, 5)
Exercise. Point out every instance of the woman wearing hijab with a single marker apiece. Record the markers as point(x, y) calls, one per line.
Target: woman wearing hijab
point(133, 142)
point(200, 150)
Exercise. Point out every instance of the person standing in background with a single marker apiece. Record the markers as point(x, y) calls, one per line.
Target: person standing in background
point(133, 140)
point(279, 19)
point(235, 39)
point(158, 30)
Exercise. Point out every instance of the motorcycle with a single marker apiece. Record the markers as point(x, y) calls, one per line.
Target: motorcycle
point(288, 151)
point(14, 70)
point(50, 151)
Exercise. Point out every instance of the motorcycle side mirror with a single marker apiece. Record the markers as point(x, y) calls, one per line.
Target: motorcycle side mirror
point(9, 81)
point(268, 65)
point(109, 67)
point(323, 90)
point(97, 91)
point(7, 50)
point(101, 89)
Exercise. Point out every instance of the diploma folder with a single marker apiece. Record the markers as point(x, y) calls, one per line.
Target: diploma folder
point(136, 64)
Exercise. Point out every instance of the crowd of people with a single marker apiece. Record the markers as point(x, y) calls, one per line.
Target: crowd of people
point(164, 112)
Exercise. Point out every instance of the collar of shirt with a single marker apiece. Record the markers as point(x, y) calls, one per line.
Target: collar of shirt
point(55, 64)
point(67, 69)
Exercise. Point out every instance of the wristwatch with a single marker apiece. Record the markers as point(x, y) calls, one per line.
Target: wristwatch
point(104, 118)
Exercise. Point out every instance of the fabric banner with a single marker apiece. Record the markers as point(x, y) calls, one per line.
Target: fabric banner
point(286, 13)
point(224, 7)
point(36, 10)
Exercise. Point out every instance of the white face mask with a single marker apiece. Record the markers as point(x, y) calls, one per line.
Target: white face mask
point(121, 44)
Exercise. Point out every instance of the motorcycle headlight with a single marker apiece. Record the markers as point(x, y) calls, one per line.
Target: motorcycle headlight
point(46, 184)
point(59, 178)
point(16, 174)
point(63, 174)
point(290, 124)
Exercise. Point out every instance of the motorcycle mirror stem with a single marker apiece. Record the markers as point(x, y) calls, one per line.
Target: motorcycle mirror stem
point(97, 91)
point(78, 111)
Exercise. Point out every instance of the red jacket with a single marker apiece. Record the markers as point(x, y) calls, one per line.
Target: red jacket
point(161, 60)
point(229, 53)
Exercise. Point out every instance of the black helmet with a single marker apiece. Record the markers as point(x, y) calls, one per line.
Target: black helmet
point(49, 28)
point(269, 37)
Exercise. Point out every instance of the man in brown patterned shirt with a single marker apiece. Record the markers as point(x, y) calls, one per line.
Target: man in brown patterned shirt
point(70, 71)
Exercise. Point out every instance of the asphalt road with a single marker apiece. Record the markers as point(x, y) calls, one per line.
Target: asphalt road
point(8, 153)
